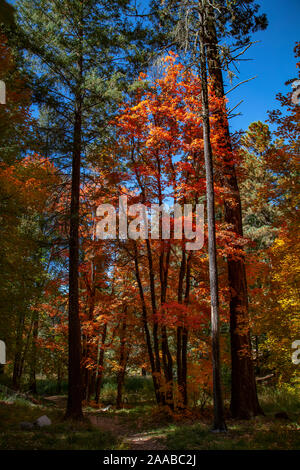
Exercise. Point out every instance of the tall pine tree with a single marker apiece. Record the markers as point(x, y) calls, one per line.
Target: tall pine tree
point(230, 22)
point(78, 53)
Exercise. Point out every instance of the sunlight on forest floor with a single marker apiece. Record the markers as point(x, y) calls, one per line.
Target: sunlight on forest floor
point(144, 428)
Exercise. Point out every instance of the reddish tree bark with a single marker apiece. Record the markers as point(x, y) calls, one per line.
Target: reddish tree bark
point(244, 401)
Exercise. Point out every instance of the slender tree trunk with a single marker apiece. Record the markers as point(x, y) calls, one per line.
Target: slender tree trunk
point(59, 378)
point(179, 345)
point(153, 363)
point(18, 352)
point(184, 366)
point(88, 374)
point(99, 375)
point(257, 355)
point(219, 423)
point(32, 380)
point(182, 331)
point(91, 385)
point(244, 401)
point(25, 350)
point(154, 353)
point(167, 359)
point(185, 334)
point(122, 364)
point(162, 393)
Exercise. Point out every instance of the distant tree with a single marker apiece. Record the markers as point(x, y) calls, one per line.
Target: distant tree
point(16, 122)
point(22, 240)
point(271, 184)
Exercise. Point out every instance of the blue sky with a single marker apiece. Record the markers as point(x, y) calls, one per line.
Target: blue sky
point(272, 60)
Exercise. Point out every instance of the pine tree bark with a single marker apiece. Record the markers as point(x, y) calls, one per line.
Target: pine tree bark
point(74, 405)
point(219, 423)
point(244, 401)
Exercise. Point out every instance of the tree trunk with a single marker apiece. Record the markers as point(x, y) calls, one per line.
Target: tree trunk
point(32, 380)
point(153, 363)
point(59, 378)
point(219, 423)
point(179, 345)
point(182, 331)
point(154, 353)
point(244, 401)
point(122, 364)
point(162, 393)
point(257, 370)
point(99, 375)
point(25, 350)
point(18, 353)
point(91, 385)
point(88, 374)
point(74, 406)
point(185, 333)
point(166, 355)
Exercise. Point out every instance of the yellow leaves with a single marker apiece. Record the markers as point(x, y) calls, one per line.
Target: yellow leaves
point(279, 319)
point(200, 381)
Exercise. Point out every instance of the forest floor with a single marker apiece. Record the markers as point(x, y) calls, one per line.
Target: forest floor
point(142, 427)
point(147, 440)
point(120, 427)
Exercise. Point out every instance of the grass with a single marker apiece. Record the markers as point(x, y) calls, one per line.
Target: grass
point(45, 387)
point(285, 399)
point(261, 433)
point(258, 434)
point(177, 432)
point(49, 387)
point(60, 435)
point(137, 390)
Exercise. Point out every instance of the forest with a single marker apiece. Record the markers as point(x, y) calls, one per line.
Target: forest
point(149, 252)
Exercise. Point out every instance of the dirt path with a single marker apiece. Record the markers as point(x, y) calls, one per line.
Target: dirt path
point(135, 441)
point(115, 424)
point(145, 441)
point(59, 400)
